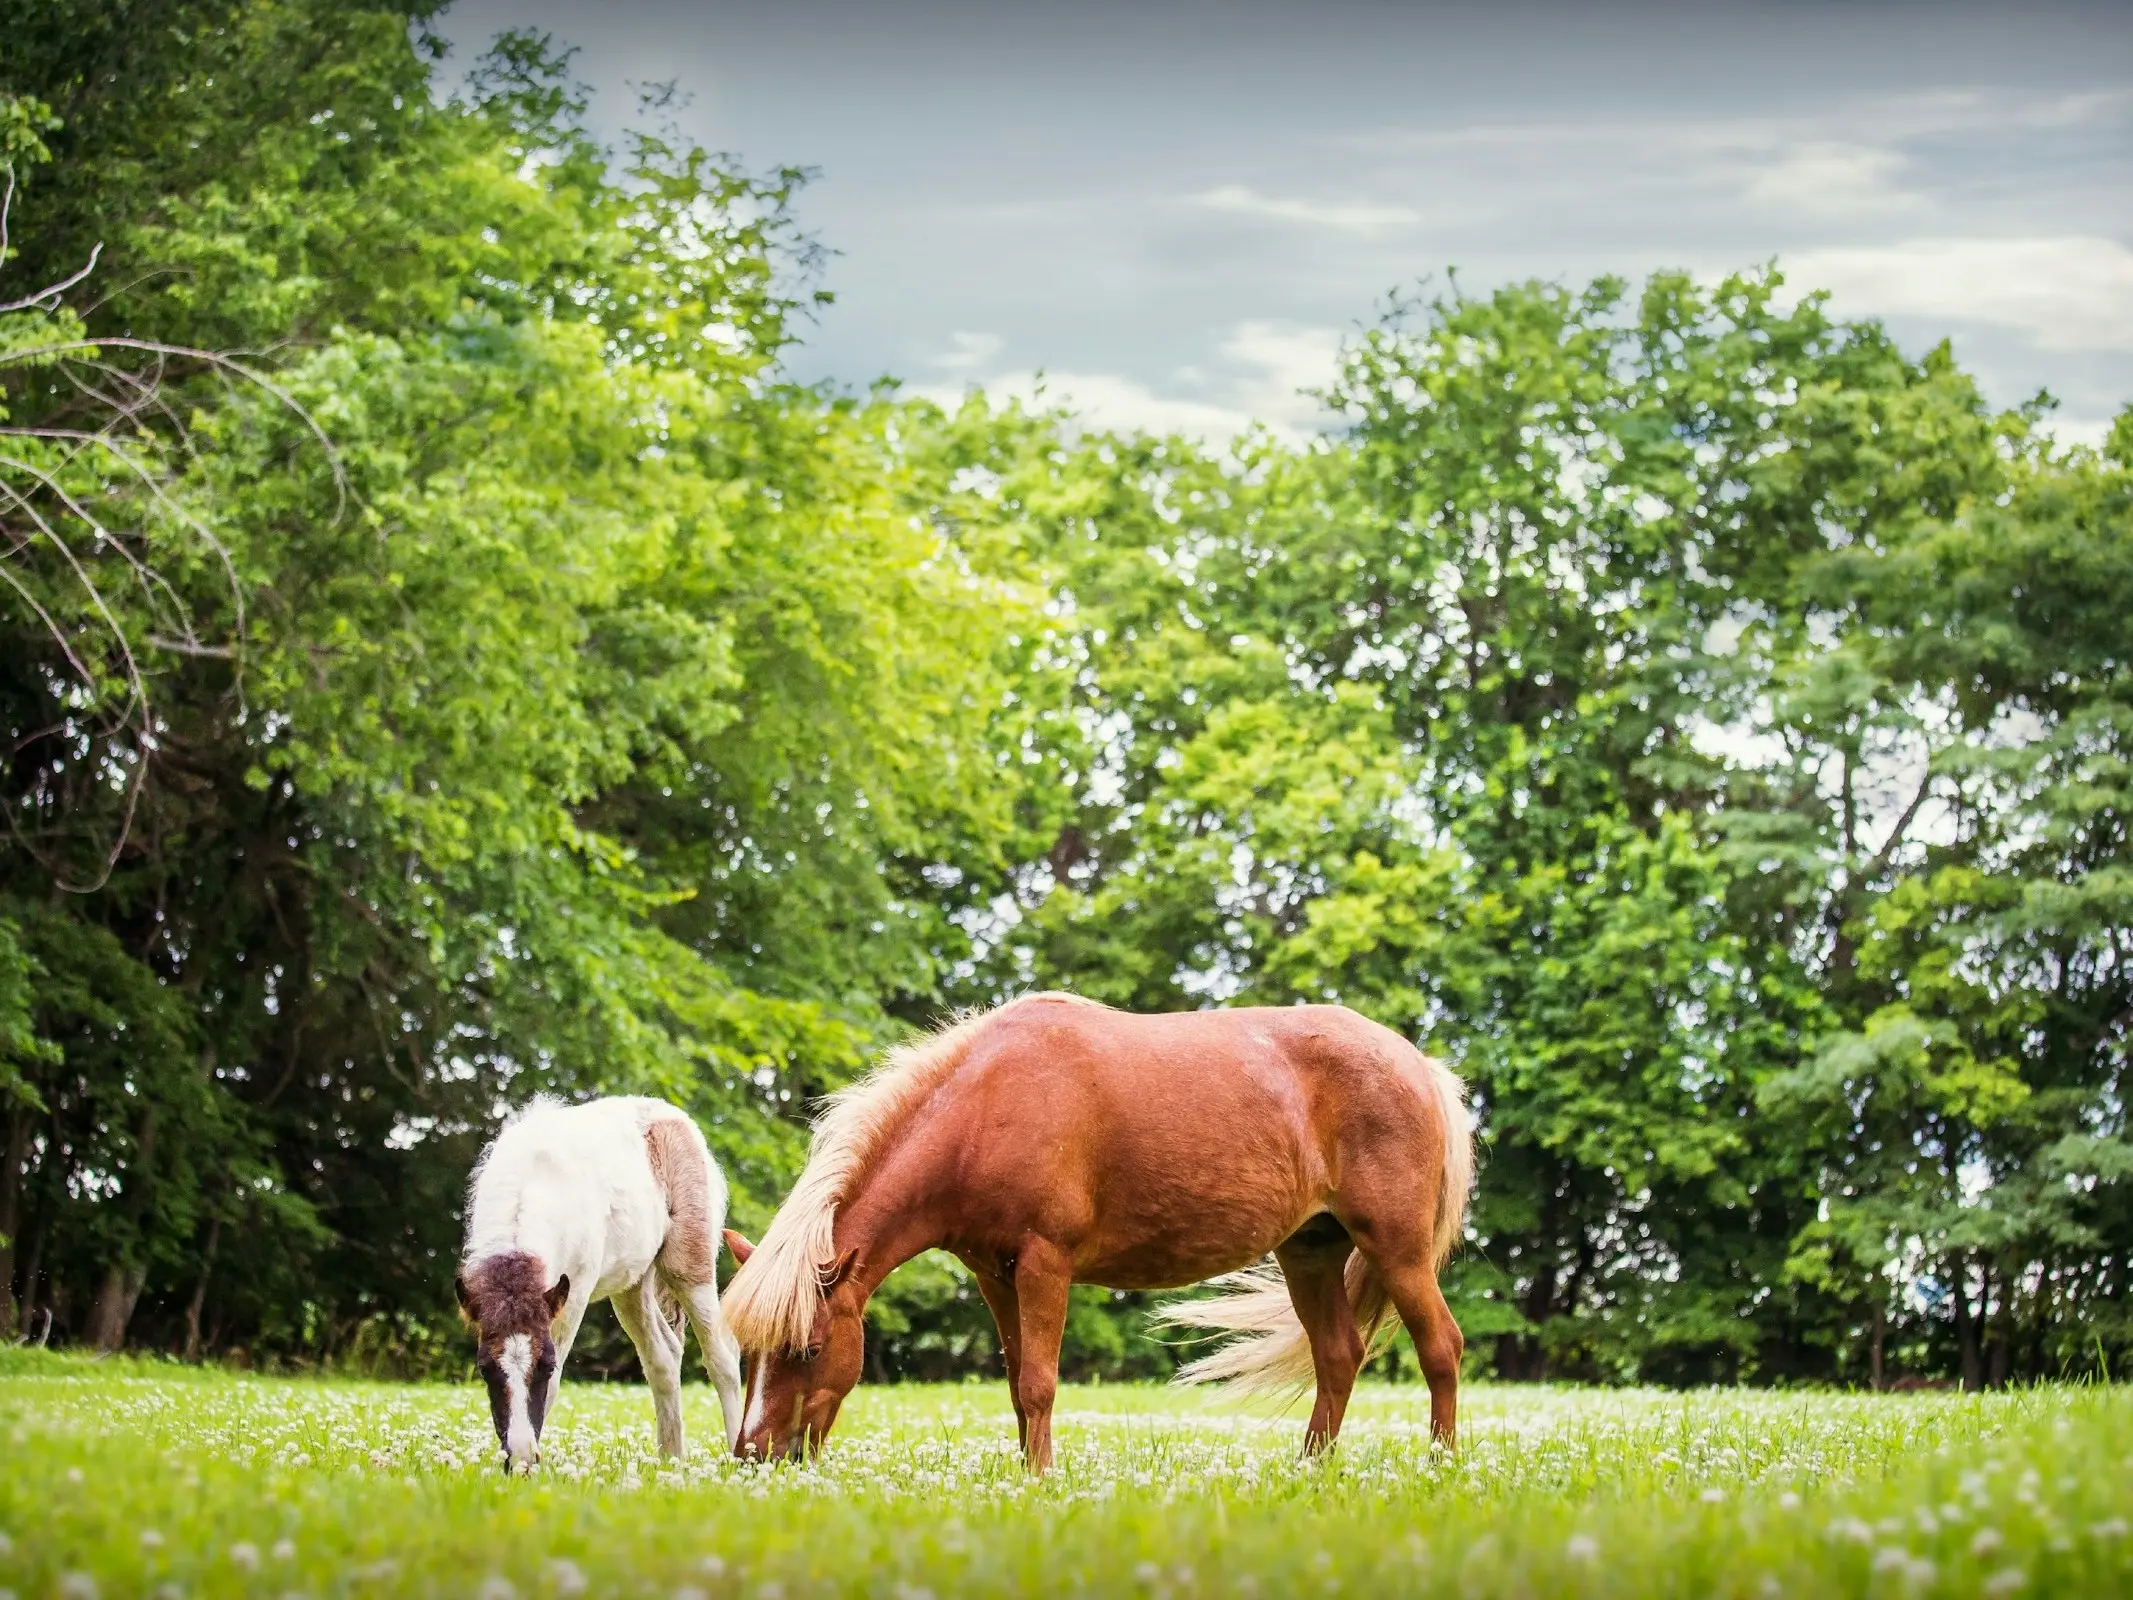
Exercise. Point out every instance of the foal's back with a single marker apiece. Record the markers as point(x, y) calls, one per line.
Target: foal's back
point(579, 1178)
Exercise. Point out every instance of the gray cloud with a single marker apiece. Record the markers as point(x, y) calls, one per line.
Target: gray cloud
point(1180, 207)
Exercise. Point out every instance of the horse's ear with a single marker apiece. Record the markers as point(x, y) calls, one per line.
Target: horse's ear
point(740, 1247)
point(839, 1270)
point(557, 1296)
point(466, 1296)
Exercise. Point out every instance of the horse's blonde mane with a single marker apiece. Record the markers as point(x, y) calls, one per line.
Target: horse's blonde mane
point(771, 1302)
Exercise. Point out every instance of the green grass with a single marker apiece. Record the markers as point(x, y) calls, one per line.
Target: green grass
point(132, 1479)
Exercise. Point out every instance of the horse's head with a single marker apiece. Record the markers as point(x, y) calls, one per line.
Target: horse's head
point(510, 1305)
point(793, 1394)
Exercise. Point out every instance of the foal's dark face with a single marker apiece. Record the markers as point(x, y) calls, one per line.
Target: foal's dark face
point(511, 1310)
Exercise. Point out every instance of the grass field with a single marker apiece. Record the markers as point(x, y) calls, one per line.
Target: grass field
point(128, 1479)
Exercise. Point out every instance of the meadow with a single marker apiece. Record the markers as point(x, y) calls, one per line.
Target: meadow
point(137, 1479)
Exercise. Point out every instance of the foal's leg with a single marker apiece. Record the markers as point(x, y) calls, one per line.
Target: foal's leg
point(659, 1348)
point(1042, 1278)
point(566, 1335)
point(1001, 1301)
point(722, 1352)
point(1313, 1273)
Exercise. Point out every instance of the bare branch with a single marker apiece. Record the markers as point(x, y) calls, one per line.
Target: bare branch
point(192, 647)
point(220, 363)
point(1882, 857)
point(51, 292)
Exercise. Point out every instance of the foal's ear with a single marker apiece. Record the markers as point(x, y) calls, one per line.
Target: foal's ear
point(557, 1296)
point(466, 1296)
point(837, 1271)
point(740, 1247)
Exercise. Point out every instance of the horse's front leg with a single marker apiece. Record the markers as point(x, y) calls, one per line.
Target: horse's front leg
point(1042, 1277)
point(1001, 1301)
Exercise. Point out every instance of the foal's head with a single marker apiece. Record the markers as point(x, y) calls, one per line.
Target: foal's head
point(510, 1304)
point(793, 1394)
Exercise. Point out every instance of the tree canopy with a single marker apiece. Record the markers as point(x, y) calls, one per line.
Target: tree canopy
point(447, 657)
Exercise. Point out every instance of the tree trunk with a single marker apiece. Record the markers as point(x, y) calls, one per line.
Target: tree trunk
point(121, 1288)
point(1996, 1351)
point(17, 1157)
point(199, 1299)
point(1876, 1345)
point(1966, 1338)
point(113, 1308)
point(33, 1264)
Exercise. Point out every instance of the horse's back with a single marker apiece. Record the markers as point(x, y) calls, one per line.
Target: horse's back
point(1095, 1123)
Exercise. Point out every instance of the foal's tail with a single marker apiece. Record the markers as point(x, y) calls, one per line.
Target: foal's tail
point(1272, 1351)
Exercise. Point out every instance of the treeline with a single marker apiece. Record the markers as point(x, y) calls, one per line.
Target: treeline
point(445, 657)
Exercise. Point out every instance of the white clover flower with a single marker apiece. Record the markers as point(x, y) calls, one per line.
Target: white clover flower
point(284, 1549)
point(150, 1539)
point(74, 1475)
point(1985, 1542)
point(712, 1566)
point(1891, 1558)
point(496, 1587)
point(2112, 1528)
point(77, 1586)
point(2006, 1581)
point(1713, 1496)
point(245, 1555)
point(1582, 1547)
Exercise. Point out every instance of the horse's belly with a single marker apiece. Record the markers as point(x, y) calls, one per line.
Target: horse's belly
point(1180, 1233)
point(1167, 1263)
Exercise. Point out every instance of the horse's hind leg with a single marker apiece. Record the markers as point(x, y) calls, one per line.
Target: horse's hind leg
point(659, 1348)
point(1439, 1345)
point(1391, 1226)
point(1401, 1258)
point(1313, 1271)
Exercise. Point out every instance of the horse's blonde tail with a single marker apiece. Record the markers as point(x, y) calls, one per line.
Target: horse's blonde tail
point(1458, 1175)
point(1271, 1351)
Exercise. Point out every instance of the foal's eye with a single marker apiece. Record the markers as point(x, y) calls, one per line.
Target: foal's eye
point(810, 1352)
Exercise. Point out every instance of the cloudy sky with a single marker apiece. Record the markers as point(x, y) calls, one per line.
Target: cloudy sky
point(1175, 211)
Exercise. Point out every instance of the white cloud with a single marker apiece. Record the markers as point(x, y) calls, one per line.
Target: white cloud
point(967, 352)
point(1263, 365)
point(1830, 179)
point(1359, 217)
point(2071, 293)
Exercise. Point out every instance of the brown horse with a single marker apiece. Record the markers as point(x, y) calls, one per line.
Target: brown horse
point(1055, 1141)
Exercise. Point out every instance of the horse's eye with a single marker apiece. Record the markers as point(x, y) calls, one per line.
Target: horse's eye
point(811, 1352)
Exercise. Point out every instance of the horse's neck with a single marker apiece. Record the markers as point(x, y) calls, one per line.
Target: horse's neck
point(893, 1215)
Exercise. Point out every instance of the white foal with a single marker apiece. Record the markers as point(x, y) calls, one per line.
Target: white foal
point(613, 1200)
